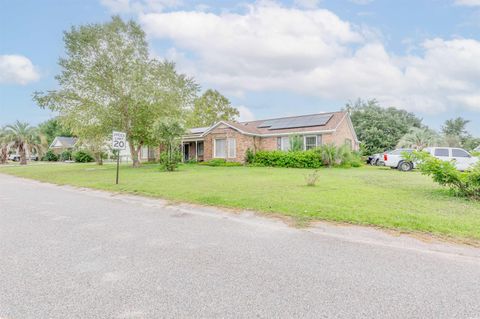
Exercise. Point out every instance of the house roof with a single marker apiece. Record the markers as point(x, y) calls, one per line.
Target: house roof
point(63, 142)
point(318, 123)
point(299, 124)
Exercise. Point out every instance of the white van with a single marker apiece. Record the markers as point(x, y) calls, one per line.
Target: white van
point(461, 158)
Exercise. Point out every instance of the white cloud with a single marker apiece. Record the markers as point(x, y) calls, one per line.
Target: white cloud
point(245, 113)
point(314, 52)
point(308, 4)
point(17, 69)
point(467, 3)
point(138, 6)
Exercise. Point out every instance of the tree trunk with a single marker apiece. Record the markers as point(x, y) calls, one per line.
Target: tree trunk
point(134, 154)
point(23, 155)
point(98, 158)
point(3, 154)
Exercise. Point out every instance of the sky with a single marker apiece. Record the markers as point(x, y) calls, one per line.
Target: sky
point(270, 58)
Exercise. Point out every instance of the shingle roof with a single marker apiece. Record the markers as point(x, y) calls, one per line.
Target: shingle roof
point(258, 127)
point(66, 142)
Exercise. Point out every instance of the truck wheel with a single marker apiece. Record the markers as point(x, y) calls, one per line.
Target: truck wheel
point(405, 166)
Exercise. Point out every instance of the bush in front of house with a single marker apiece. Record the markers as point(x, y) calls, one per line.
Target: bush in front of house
point(463, 184)
point(82, 157)
point(66, 156)
point(324, 155)
point(294, 159)
point(219, 162)
point(169, 160)
point(50, 156)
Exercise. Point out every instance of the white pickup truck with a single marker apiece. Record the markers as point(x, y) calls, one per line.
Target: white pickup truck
point(459, 157)
point(462, 159)
point(394, 159)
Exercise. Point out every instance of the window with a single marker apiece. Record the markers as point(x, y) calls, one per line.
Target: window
point(310, 142)
point(459, 153)
point(200, 148)
point(400, 151)
point(224, 148)
point(283, 143)
point(144, 152)
point(232, 148)
point(443, 152)
point(219, 148)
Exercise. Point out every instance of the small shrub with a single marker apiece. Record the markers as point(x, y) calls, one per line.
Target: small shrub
point(296, 143)
point(249, 156)
point(312, 178)
point(169, 161)
point(82, 157)
point(50, 156)
point(66, 156)
point(464, 184)
point(329, 154)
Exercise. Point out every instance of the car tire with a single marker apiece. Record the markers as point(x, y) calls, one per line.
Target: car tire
point(405, 166)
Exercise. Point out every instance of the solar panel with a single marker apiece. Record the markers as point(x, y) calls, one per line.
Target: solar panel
point(294, 122)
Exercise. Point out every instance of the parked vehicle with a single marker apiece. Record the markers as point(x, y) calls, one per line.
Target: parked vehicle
point(462, 159)
point(394, 159)
point(375, 159)
point(14, 157)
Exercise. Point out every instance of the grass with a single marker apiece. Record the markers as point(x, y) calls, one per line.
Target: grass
point(368, 196)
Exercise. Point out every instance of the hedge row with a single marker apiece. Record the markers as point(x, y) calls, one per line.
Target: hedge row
point(297, 159)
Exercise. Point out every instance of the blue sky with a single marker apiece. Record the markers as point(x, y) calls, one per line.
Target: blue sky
point(271, 58)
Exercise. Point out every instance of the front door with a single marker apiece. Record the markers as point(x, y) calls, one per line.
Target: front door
point(186, 155)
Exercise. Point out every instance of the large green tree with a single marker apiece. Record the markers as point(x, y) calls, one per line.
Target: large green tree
point(379, 128)
point(419, 138)
point(456, 134)
point(109, 82)
point(53, 128)
point(455, 127)
point(210, 108)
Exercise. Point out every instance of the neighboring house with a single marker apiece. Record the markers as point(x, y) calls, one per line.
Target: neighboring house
point(230, 140)
point(61, 144)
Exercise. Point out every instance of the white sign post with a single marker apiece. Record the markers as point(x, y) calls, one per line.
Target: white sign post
point(119, 143)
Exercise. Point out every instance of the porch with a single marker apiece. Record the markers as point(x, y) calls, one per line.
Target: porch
point(192, 150)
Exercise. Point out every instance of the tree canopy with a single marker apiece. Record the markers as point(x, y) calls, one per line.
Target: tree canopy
point(53, 128)
point(210, 108)
point(109, 82)
point(379, 128)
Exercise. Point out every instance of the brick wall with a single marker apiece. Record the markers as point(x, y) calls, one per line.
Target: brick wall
point(243, 142)
point(342, 134)
point(255, 143)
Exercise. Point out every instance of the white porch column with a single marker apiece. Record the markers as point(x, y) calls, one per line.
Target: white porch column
point(196, 151)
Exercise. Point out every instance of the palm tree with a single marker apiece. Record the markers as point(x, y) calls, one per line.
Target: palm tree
point(3, 146)
point(23, 138)
point(419, 138)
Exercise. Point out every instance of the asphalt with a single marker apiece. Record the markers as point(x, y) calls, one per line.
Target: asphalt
point(75, 253)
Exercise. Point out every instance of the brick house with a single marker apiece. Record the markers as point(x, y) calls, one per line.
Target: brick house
point(230, 140)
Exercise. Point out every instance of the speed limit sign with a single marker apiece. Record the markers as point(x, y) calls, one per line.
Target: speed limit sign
point(119, 140)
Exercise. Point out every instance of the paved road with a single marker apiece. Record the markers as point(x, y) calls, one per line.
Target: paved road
point(68, 253)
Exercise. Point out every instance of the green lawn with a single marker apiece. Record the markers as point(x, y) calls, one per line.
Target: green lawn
point(369, 195)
